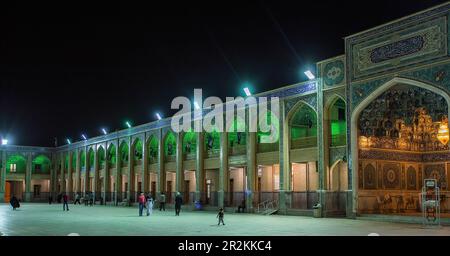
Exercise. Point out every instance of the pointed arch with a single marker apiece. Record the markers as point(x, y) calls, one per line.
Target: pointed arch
point(16, 164)
point(41, 164)
point(124, 152)
point(355, 113)
point(111, 156)
point(153, 148)
point(302, 123)
point(101, 157)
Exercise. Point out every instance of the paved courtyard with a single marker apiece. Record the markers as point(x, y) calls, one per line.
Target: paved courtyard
point(50, 220)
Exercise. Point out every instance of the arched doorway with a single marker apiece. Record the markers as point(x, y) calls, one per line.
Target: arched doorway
point(303, 178)
point(394, 146)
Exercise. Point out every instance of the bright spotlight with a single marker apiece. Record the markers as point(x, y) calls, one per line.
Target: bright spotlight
point(4, 142)
point(104, 131)
point(128, 124)
point(68, 141)
point(309, 74)
point(247, 92)
point(158, 116)
point(196, 105)
point(83, 136)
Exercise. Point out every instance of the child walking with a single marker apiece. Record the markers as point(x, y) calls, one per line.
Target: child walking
point(220, 216)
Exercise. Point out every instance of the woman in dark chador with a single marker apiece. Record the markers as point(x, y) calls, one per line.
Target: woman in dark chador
point(14, 202)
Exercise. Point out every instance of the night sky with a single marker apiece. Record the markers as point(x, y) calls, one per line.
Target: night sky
point(67, 69)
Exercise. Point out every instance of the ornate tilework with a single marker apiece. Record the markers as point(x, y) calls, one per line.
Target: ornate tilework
point(333, 73)
point(391, 175)
point(422, 41)
point(310, 99)
point(337, 153)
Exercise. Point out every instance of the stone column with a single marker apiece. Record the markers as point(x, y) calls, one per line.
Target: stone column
point(106, 178)
point(70, 173)
point(78, 170)
point(145, 186)
point(118, 176)
point(63, 173)
point(161, 181)
point(87, 175)
point(131, 179)
point(28, 177)
point(251, 170)
point(322, 149)
point(179, 163)
point(96, 186)
point(285, 167)
point(199, 167)
point(223, 171)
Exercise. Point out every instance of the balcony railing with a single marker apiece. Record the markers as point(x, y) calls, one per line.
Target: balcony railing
point(171, 158)
point(210, 153)
point(189, 156)
point(306, 142)
point(237, 150)
point(268, 147)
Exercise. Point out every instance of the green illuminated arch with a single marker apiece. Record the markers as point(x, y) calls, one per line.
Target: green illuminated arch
point(74, 160)
point(237, 135)
point(91, 158)
point(19, 162)
point(137, 146)
point(338, 124)
point(303, 127)
point(83, 159)
point(189, 142)
point(112, 155)
point(41, 165)
point(101, 157)
point(170, 144)
point(212, 139)
point(124, 149)
point(153, 149)
point(66, 161)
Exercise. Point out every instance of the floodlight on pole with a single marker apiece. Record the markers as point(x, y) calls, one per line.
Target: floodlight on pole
point(247, 92)
point(309, 74)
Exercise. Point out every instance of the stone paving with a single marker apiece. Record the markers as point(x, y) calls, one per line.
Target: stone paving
point(50, 220)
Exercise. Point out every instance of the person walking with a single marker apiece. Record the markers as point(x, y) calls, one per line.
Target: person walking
point(220, 215)
point(77, 199)
point(141, 200)
point(178, 203)
point(65, 202)
point(162, 202)
point(86, 199)
point(14, 202)
point(149, 204)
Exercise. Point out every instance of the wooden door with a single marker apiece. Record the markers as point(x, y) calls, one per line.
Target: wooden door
point(7, 191)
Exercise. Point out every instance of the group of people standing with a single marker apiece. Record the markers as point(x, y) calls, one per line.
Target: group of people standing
point(145, 202)
point(148, 202)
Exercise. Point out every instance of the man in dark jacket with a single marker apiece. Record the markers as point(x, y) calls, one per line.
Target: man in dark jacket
point(178, 203)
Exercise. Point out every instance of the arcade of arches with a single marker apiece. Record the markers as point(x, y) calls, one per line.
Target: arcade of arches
point(359, 139)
